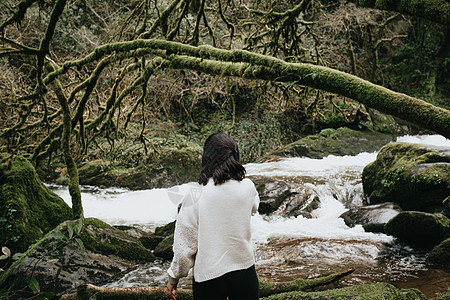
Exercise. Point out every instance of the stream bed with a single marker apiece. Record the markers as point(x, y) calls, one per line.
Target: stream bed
point(288, 247)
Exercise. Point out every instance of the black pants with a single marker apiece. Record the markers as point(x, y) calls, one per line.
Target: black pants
point(236, 285)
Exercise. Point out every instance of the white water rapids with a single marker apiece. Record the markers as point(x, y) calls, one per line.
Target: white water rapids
point(286, 248)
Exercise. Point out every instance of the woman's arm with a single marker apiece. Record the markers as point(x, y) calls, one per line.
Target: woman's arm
point(185, 240)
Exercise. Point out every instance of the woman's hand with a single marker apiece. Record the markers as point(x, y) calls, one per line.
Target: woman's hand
point(170, 290)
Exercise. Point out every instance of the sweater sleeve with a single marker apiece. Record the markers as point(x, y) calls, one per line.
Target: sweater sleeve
point(185, 240)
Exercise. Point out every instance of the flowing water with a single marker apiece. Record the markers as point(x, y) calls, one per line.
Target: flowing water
point(294, 247)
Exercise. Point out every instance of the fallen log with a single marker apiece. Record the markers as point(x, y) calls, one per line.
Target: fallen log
point(270, 288)
point(89, 291)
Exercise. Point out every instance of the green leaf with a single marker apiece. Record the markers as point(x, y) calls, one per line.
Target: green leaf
point(79, 226)
point(80, 245)
point(6, 251)
point(3, 257)
point(70, 229)
point(34, 285)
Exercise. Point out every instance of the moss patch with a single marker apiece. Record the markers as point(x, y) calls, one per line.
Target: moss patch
point(28, 209)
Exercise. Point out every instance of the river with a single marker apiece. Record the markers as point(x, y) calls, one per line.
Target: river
point(293, 247)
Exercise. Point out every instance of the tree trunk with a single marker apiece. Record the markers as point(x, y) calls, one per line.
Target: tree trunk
point(74, 183)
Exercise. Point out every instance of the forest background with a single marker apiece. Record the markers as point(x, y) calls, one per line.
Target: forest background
point(120, 80)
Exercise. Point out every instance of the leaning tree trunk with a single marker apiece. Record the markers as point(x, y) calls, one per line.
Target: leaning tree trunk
point(89, 291)
point(249, 65)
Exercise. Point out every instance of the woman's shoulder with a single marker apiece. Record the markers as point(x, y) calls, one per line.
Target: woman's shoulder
point(247, 182)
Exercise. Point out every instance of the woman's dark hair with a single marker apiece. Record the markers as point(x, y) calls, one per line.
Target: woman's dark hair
point(220, 160)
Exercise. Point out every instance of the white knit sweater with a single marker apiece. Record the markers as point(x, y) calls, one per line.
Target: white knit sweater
point(212, 231)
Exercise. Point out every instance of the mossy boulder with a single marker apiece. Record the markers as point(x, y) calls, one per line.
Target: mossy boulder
point(340, 142)
point(374, 291)
point(419, 228)
point(440, 255)
point(414, 176)
point(103, 238)
point(28, 209)
point(170, 167)
point(59, 264)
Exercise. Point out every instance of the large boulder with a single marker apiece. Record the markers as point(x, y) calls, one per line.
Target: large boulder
point(419, 228)
point(414, 176)
point(340, 142)
point(60, 263)
point(28, 209)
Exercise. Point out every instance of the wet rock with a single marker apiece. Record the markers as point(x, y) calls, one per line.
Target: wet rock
point(28, 209)
point(339, 142)
point(416, 177)
point(419, 228)
point(59, 265)
point(372, 217)
point(272, 193)
point(440, 255)
point(301, 202)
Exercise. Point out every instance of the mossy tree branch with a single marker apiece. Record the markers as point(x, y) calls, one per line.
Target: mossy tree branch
point(250, 65)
